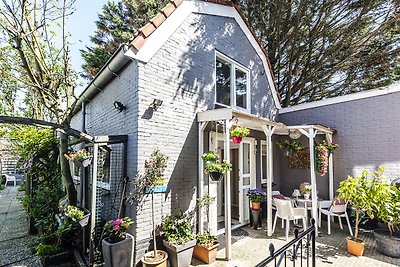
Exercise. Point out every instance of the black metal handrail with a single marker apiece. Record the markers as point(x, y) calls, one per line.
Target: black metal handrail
point(294, 245)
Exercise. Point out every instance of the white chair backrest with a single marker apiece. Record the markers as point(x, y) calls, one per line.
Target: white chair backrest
point(284, 208)
point(338, 208)
point(274, 193)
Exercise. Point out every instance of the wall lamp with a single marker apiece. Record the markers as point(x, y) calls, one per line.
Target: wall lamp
point(294, 134)
point(156, 103)
point(119, 106)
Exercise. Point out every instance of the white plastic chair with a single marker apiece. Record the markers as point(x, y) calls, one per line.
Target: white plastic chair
point(10, 178)
point(285, 211)
point(333, 209)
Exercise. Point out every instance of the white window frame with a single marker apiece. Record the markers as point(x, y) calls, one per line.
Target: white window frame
point(234, 65)
point(264, 164)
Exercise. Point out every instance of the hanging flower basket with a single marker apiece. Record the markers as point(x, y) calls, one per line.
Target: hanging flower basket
point(83, 162)
point(289, 147)
point(81, 158)
point(84, 220)
point(237, 139)
point(238, 133)
point(216, 176)
point(321, 159)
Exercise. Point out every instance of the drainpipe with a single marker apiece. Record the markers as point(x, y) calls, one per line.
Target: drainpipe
point(83, 117)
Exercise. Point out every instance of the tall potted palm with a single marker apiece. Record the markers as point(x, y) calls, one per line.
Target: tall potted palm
point(154, 177)
point(356, 190)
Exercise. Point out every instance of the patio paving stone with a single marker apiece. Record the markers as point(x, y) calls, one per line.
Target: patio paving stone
point(250, 246)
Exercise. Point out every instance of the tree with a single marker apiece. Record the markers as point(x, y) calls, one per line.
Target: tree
point(116, 25)
point(39, 66)
point(321, 49)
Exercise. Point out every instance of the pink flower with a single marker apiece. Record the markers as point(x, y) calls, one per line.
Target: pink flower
point(116, 227)
point(119, 221)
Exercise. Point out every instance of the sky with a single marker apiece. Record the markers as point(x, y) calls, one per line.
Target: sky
point(82, 25)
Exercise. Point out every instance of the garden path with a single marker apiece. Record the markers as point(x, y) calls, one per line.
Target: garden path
point(15, 242)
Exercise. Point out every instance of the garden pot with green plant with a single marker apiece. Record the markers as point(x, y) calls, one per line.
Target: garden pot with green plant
point(117, 246)
point(289, 147)
point(214, 167)
point(153, 178)
point(238, 133)
point(179, 241)
point(386, 207)
point(81, 158)
point(256, 196)
point(307, 191)
point(206, 244)
point(356, 190)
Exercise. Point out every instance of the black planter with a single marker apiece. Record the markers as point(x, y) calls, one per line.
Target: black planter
point(390, 246)
point(216, 176)
point(256, 217)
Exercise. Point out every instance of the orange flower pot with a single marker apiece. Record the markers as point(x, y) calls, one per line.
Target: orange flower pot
point(255, 205)
point(206, 255)
point(355, 248)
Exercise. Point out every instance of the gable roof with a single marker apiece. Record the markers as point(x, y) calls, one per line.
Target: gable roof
point(137, 45)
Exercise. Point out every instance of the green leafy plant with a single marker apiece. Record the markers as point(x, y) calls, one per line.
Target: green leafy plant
point(46, 250)
point(330, 146)
point(206, 240)
point(78, 155)
point(289, 147)
point(307, 189)
point(2, 187)
point(74, 213)
point(256, 195)
point(115, 230)
point(211, 159)
point(177, 229)
point(240, 131)
point(154, 169)
point(357, 191)
point(21, 187)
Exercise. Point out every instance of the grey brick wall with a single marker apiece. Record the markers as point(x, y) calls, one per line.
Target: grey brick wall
point(367, 132)
point(181, 74)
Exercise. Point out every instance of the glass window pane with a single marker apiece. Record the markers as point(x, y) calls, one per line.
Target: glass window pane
point(223, 81)
point(246, 181)
point(241, 88)
point(246, 158)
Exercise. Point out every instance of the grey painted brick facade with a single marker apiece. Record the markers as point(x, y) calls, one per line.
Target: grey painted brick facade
point(367, 132)
point(181, 74)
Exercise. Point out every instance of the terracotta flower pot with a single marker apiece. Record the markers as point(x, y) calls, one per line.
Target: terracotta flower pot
point(237, 139)
point(206, 255)
point(255, 205)
point(148, 261)
point(355, 248)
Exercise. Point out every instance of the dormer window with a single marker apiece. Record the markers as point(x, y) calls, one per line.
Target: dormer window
point(232, 83)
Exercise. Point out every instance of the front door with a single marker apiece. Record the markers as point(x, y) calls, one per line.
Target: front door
point(246, 178)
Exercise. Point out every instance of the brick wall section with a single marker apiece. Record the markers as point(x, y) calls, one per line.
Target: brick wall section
point(181, 74)
point(367, 132)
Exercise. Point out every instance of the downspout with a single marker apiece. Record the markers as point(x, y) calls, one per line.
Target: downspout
point(83, 117)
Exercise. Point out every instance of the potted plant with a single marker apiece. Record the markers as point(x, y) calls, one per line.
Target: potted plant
point(238, 133)
point(356, 191)
point(256, 196)
point(321, 159)
point(153, 177)
point(206, 244)
point(206, 247)
point(307, 191)
point(289, 147)
point(116, 244)
point(80, 158)
point(179, 241)
point(386, 207)
point(331, 147)
point(215, 169)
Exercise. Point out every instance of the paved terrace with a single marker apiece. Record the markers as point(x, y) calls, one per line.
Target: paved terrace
point(15, 243)
point(251, 246)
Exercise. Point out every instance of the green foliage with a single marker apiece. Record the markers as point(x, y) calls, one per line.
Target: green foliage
point(154, 169)
point(211, 158)
point(21, 187)
point(288, 145)
point(117, 24)
point(330, 146)
point(46, 250)
point(256, 195)
point(2, 187)
point(206, 240)
point(74, 213)
point(240, 131)
point(321, 159)
point(177, 229)
point(78, 155)
point(321, 49)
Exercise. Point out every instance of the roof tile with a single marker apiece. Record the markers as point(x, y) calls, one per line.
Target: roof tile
point(168, 9)
point(158, 20)
point(147, 29)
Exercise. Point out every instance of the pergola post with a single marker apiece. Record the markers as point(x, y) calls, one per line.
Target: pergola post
point(269, 130)
point(200, 183)
point(227, 180)
point(330, 170)
point(311, 136)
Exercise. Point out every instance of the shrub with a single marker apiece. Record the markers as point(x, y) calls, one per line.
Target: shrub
point(46, 250)
point(177, 229)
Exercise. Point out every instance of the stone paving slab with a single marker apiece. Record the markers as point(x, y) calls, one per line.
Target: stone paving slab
point(251, 246)
point(15, 243)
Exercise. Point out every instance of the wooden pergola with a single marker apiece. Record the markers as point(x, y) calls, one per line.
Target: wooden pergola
point(229, 117)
